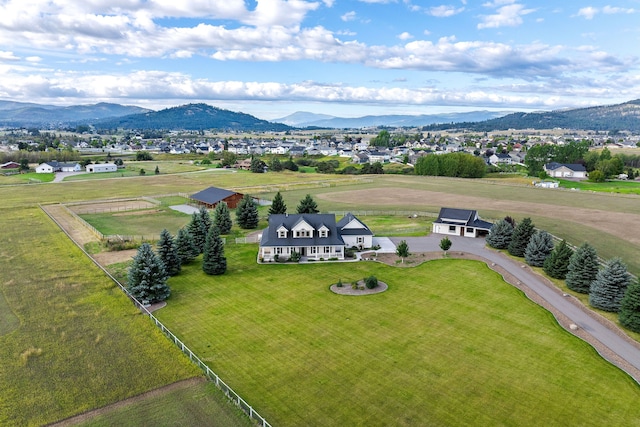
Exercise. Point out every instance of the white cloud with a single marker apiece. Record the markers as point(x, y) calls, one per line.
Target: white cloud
point(509, 15)
point(349, 16)
point(588, 12)
point(405, 36)
point(8, 56)
point(445, 11)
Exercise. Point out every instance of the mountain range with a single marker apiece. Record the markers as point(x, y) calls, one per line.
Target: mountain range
point(619, 117)
point(306, 119)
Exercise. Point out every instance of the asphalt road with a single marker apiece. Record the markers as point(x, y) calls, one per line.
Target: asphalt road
point(618, 349)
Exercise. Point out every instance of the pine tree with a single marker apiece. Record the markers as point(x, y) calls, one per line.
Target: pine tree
point(607, 291)
point(222, 218)
point(206, 222)
point(500, 234)
point(213, 260)
point(557, 264)
point(307, 205)
point(629, 314)
point(278, 206)
point(583, 268)
point(147, 278)
point(185, 246)
point(168, 253)
point(538, 249)
point(247, 213)
point(195, 229)
point(520, 238)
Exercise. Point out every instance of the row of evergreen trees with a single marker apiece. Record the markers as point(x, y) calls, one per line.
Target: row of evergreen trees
point(306, 205)
point(148, 274)
point(609, 288)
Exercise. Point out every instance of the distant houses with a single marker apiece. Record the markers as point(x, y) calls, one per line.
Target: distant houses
point(55, 166)
point(563, 170)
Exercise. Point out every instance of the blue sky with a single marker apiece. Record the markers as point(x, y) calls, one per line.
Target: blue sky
point(350, 58)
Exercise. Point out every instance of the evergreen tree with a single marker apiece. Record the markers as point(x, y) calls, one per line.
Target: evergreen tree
point(168, 253)
point(607, 291)
point(195, 229)
point(629, 314)
point(147, 278)
point(278, 206)
point(538, 249)
point(222, 218)
point(206, 222)
point(583, 268)
point(186, 248)
point(500, 234)
point(213, 260)
point(520, 237)
point(247, 213)
point(557, 264)
point(257, 165)
point(307, 205)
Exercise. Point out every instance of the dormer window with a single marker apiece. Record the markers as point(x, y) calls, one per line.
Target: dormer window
point(282, 232)
point(303, 233)
point(323, 231)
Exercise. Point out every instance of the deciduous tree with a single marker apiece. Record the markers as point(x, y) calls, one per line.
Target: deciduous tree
point(402, 250)
point(147, 277)
point(583, 268)
point(445, 245)
point(607, 291)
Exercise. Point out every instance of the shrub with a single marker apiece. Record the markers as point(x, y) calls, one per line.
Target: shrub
point(371, 282)
point(295, 256)
point(339, 284)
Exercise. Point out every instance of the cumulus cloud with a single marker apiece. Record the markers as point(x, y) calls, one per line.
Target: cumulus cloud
point(349, 16)
point(405, 36)
point(8, 56)
point(590, 12)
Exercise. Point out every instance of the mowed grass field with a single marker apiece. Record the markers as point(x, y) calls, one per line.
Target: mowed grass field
point(38, 262)
point(450, 343)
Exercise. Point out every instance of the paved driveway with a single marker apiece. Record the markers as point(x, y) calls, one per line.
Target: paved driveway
point(600, 333)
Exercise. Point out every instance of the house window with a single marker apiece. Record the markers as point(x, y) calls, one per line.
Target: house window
point(323, 233)
point(303, 233)
point(278, 250)
point(360, 239)
point(282, 234)
point(313, 249)
point(452, 228)
point(327, 249)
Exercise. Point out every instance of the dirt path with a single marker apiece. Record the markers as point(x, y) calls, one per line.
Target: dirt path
point(78, 232)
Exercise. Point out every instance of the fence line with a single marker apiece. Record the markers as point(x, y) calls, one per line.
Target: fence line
point(387, 213)
point(210, 374)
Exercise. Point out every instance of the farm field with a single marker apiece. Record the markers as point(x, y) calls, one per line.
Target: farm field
point(449, 341)
point(578, 216)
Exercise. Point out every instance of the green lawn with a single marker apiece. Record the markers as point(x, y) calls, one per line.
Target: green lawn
point(390, 226)
point(26, 178)
point(622, 187)
point(449, 342)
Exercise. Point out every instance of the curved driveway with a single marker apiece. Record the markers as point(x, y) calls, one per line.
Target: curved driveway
point(605, 337)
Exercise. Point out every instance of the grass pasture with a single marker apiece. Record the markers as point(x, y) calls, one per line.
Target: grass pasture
point(449, 342)
point(26, 178)
point(620, 187)
point(142, 222)
point(199, 404)
point(80, 343)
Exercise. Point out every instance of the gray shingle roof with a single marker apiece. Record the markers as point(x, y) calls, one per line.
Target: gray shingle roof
point(270, 234)
point(212, 195)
